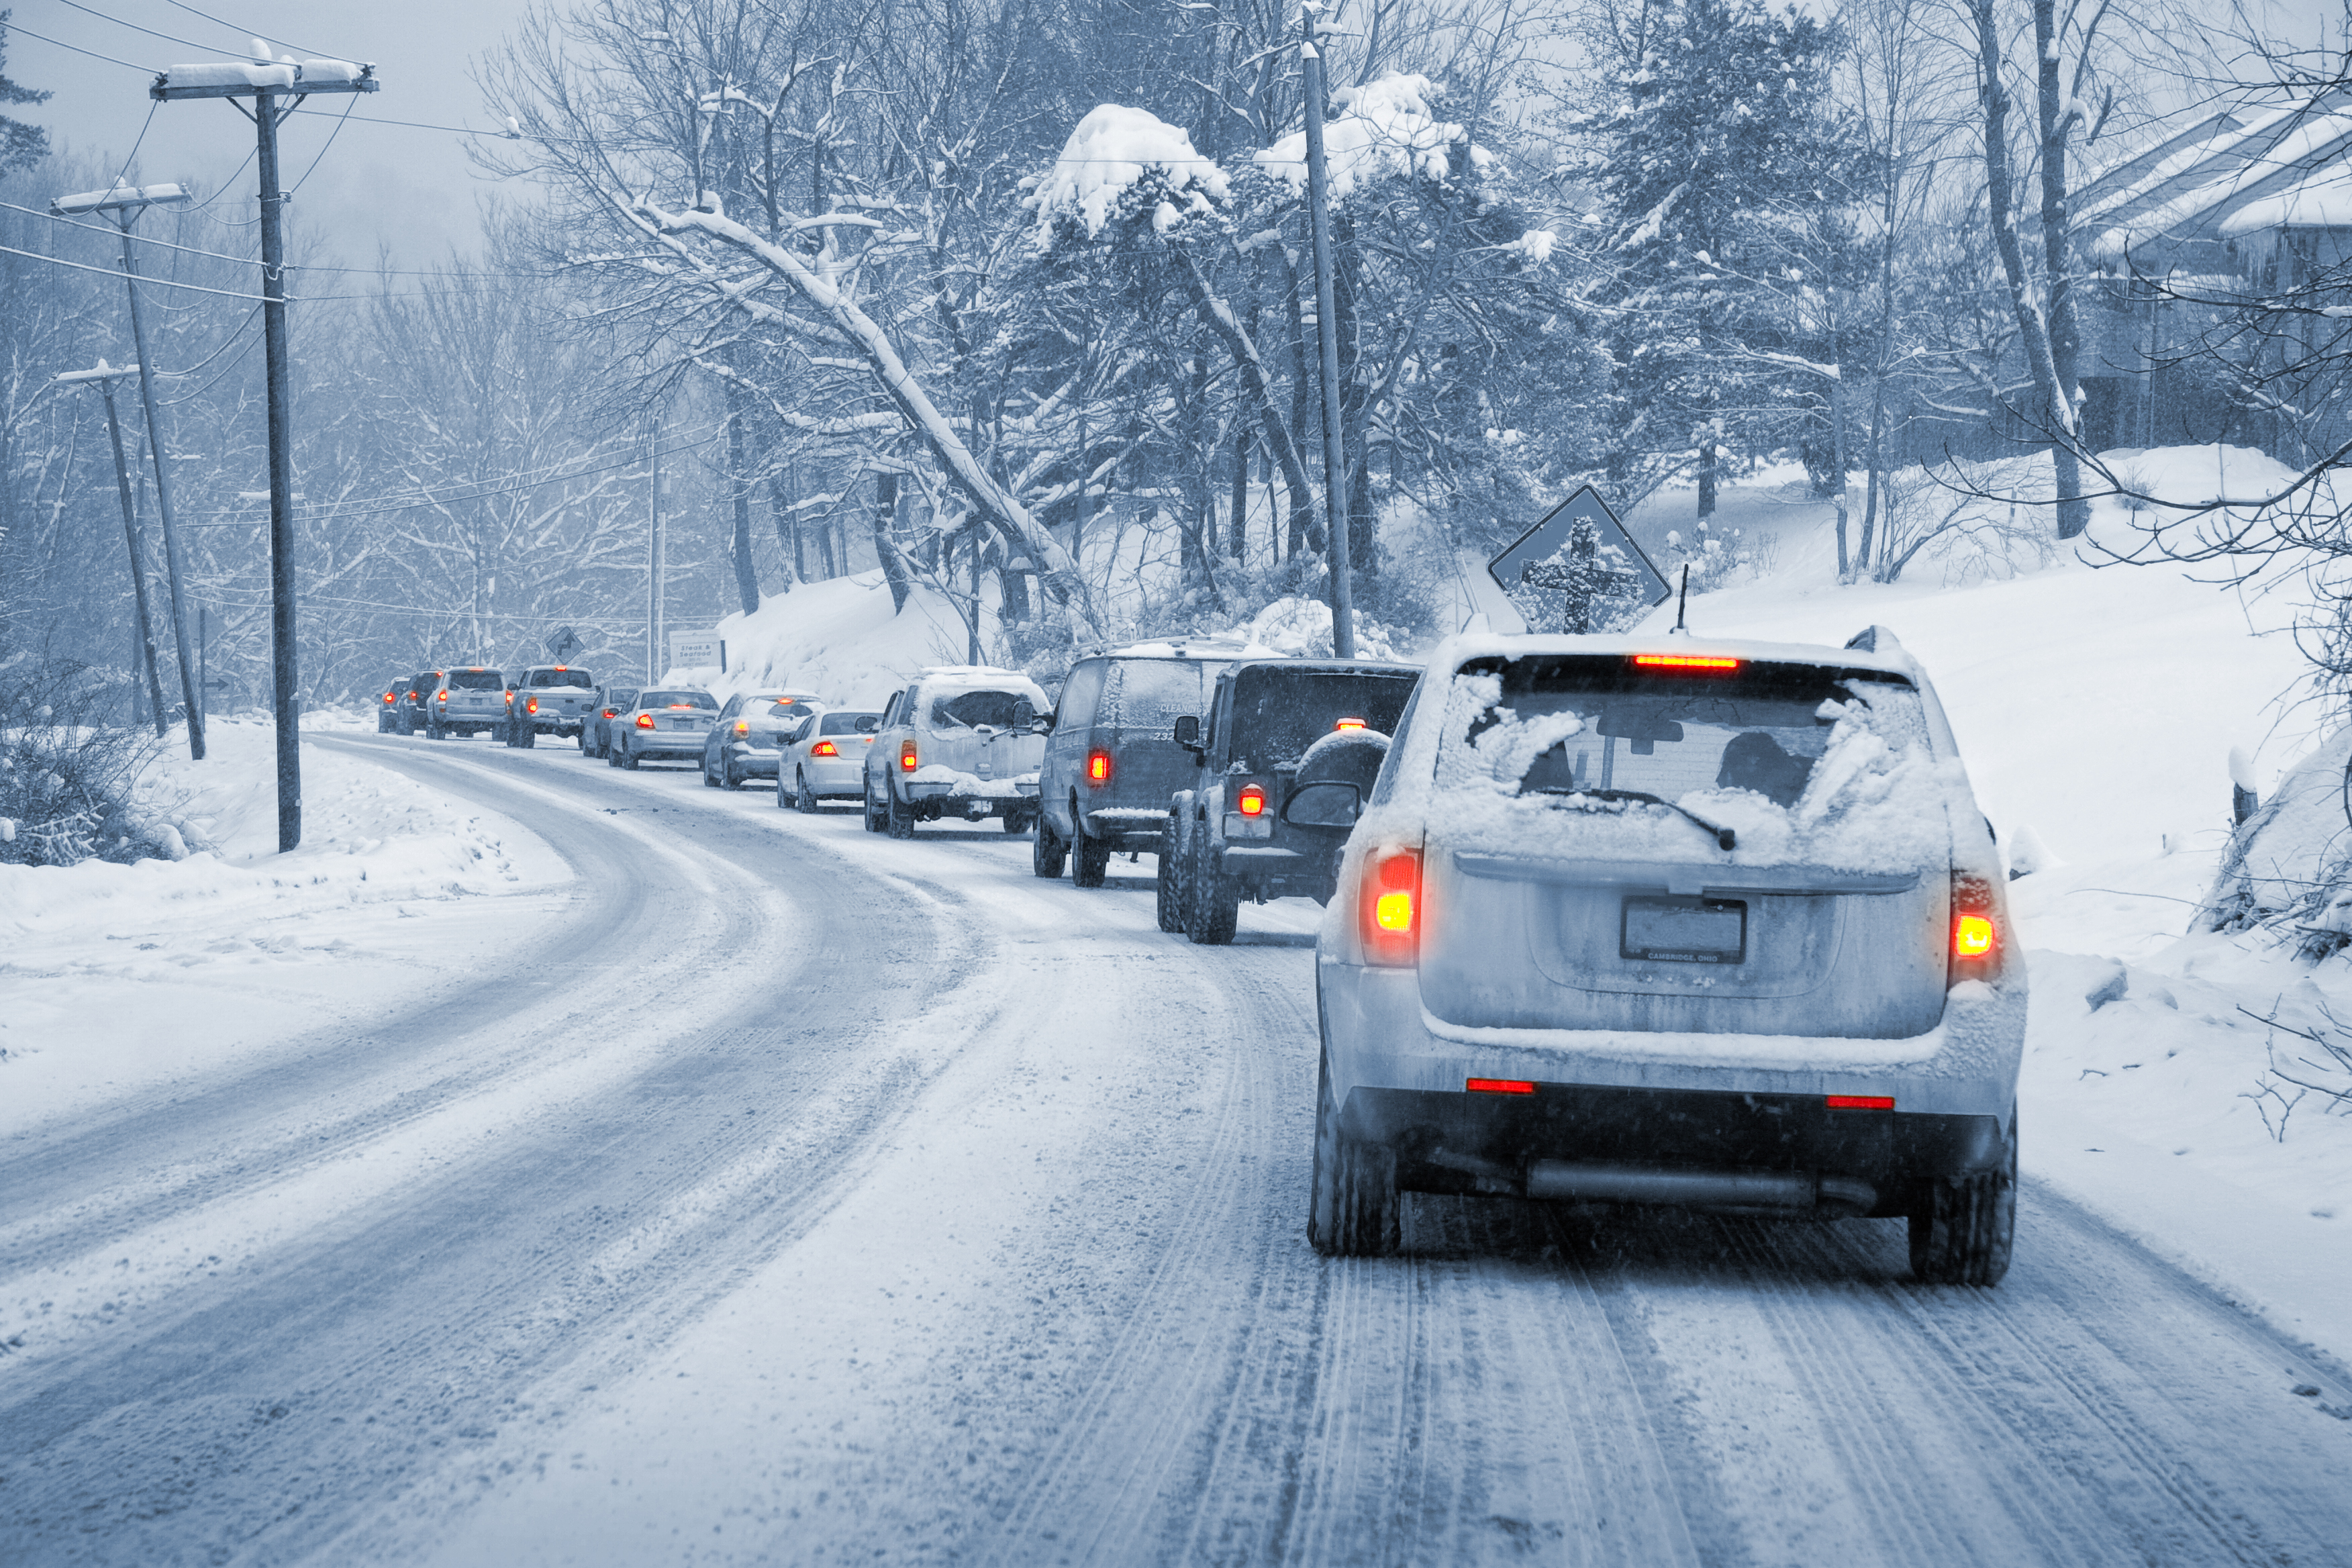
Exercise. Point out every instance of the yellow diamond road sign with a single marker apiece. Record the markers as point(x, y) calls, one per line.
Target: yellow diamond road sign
point(1542, 541)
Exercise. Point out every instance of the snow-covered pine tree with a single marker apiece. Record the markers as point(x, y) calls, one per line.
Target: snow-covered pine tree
point(1719, 128)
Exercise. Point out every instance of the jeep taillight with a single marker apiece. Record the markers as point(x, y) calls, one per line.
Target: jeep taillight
point(644, 721)
point(825, 749)
point(1098, 767)
point(907, 756)
point(1389, 907)
point(1252, 801)
point(1976, 939)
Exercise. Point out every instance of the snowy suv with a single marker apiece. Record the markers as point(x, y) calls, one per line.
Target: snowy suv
point(964, 742)
point(1653, 920)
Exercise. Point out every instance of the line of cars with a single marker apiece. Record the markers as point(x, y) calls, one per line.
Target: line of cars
point(1622, 920)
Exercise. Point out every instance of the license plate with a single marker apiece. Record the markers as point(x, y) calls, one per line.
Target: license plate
point(1683, 930)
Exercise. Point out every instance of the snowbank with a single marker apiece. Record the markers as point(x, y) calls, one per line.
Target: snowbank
point(237, 944)
point(839, 639)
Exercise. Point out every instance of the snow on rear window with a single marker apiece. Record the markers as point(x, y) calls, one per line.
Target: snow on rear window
point(1580, 757)
point(971, 708)
point(1150, 694)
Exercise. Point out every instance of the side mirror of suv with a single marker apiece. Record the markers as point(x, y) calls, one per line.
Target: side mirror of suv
point(1335, 803)
point(1188, 731)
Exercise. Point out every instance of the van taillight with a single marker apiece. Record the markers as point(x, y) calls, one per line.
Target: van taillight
point(644, 721)
point(1098, 767)
point(906, 756)
point(1389, 909)
point(1976, 940)
point(825, 749)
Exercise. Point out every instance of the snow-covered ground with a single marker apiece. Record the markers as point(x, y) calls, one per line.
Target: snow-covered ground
point(116, 978)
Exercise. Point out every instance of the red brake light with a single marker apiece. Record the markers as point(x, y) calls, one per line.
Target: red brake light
point(562, 666)
point(742, 726)
point(1389, 907)
point(1860, 1101)
point(611, 712)
point(1693, 663)
point(1253, 801)
point(440, 696)
point(1498, 1086)
point(906, 756)
point(825, 749)
point(1349, 724)
point(644, 721)
point(532, 706)
point(1976, 941)
point(1098, 767)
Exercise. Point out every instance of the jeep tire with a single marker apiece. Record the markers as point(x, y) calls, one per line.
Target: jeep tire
point(1213, 900)
point(1167, 887)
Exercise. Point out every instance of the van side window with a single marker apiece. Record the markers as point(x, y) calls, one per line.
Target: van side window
point(1081, 694)
point(1220, 719)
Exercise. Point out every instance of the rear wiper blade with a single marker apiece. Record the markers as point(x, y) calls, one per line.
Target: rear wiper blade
point(1724, 836)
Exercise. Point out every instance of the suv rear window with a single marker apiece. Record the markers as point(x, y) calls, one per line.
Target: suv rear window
point(1150, 694)
point(970, 709)
point(477, 680)
point(1277, 713)
point(1794, 758)
point(546, 677)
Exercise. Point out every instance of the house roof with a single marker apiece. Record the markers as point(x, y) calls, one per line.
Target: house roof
point(2231, 172)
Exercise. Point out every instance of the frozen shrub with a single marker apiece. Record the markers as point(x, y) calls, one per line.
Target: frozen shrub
point(67, 767)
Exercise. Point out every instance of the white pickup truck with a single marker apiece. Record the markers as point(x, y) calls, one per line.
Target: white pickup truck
point(549, 700)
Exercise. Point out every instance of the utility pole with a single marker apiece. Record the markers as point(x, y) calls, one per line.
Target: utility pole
point(143, 643)
point(1327, 330)
point(277, 88)
point(655, 564)
point(125, 202)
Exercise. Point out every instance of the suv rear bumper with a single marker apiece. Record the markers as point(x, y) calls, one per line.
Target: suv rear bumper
point(928, 799)
point(1604, 1106)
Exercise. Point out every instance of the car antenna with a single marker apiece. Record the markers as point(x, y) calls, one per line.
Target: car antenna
point(1682, 601)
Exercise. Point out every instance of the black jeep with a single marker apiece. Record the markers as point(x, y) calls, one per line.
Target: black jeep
point(1250, 826)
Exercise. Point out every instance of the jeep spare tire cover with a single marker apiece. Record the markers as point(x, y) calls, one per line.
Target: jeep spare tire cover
point(1344, 756)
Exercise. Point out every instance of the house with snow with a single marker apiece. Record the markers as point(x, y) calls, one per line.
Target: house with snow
point(2194, 240)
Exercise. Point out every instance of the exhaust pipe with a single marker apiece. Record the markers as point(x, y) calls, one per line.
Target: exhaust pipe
point(1782, 1190)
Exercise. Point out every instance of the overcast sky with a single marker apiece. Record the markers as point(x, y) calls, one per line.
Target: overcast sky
point(409, 190)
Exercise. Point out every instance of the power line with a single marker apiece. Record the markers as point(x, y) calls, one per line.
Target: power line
point(167, 38)
point(14, 26)
point(252, 32)
point(323, 146)
point(234, 294)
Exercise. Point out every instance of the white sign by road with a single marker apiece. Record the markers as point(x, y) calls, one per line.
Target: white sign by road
point(696, 651)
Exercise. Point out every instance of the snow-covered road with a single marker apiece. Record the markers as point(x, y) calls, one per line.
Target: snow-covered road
point(802, 1196)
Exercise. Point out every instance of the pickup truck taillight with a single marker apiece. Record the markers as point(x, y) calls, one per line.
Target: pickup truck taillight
point(644, 721)
point(1387, 907)
point(531, 706)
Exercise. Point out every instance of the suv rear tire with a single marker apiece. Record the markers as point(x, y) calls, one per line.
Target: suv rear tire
point(1089, 856)
point(1353, 1210)
point(1213, 900)
point(900, 817)
point(1962, 1231)
point(1167, 887)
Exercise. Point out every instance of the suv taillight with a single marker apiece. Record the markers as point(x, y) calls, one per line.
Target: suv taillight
point(440, 696)
point(1389, 907)
point(906, 756)
point(1098, 767)
point(1976, 937)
